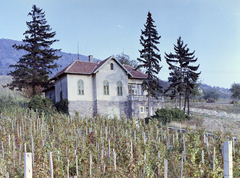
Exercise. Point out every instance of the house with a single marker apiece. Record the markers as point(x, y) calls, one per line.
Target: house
point(107, 88)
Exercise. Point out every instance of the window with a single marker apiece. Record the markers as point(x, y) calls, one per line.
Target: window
point(105, 87)
point(119, 88)
point(141, 109)
point(111, 66)
point(80, 87)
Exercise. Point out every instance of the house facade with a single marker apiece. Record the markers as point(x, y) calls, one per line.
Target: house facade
point(107, 88)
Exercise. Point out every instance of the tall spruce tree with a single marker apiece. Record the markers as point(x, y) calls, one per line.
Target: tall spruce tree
point(33, 68)
point(149, 58)
point(186, 74)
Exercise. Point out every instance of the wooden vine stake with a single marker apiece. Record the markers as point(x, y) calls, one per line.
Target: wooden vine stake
point(51, 164)
point(114, 158)
point(27, 165)
point(68, 169)
point(182, 164)
point(77, 164)
point(158, 166)
point(144, 162)
point(165, 168)
point(32, 150)
point(227, 157)
point(213, 157)
point(90, 164)
point(2, 150)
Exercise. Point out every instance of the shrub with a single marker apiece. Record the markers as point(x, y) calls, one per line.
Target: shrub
point(41, 104)
point(166, 115)
point(62, 105)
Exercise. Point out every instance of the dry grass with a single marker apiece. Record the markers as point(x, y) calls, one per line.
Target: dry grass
point(209, 122)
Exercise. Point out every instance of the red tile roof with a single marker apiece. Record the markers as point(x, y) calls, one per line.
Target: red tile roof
point(78, 67)
point(100, 64)
point(83, 67)
point(135, 73)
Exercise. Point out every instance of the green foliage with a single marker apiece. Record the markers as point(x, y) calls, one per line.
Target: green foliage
point(34, 67)
point(37, 103)
point(235, 90)
point(149, 58)
point(167, 115)
point(66, 138)
point(6, 101)
point(183, 75)
point(125, 60)
point(62, 105)
point(210, 95)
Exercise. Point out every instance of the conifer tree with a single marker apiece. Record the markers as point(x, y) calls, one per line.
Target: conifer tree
point(186, 74)
point(33, 68)
point(149, 58)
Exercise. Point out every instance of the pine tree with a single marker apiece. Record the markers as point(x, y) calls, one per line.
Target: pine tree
point(149, 59)
point(186, 74)
point(33, 68)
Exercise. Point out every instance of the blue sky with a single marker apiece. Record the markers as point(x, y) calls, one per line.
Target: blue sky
point(109, 27)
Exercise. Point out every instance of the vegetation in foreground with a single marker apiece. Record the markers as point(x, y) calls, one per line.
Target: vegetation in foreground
point(67, 137)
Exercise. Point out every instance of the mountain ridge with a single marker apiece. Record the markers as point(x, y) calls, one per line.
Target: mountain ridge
point(9, 56)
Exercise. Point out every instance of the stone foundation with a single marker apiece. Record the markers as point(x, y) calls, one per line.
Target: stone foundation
point(113, 108)
point(84, 108)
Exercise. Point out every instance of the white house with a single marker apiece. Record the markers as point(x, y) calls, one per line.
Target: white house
point(107, 88)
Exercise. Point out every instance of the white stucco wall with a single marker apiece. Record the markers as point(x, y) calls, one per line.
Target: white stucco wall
point(73, 94)
point(113, 76)
point(61, 84)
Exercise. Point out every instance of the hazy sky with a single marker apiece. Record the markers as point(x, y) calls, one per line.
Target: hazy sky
point(109, 27)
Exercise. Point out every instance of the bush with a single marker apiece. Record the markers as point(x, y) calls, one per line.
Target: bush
point(62, 105)
point(6, 101)
point(166, 115)
point(41, 104)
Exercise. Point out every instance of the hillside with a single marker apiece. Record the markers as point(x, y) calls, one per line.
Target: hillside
point(9, 55)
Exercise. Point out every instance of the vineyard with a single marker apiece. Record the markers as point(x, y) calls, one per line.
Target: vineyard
point(101, 147)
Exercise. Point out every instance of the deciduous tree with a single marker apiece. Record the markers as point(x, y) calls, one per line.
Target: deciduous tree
point(125, 60)
point(235, 90)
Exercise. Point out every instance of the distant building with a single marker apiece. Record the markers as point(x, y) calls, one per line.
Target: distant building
point(107, 88)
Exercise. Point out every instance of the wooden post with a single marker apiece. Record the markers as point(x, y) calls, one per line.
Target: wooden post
point(182, 164)
point(32, 150)
point(27, 165)
point(227, 157)
point(203, 156)
point(109, 148)
point(158, 166)
point(144, 162)
point(165, 168)
point(114, 158)
point(90, 165)
point(77, 164)
point(2, 150)
point(51, 164)
point(68, 169)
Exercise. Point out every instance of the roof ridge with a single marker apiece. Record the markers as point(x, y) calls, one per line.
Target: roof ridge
point(70, 65)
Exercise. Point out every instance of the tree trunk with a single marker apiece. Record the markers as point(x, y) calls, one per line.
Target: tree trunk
point(149, 100)
point(188, 93)
point(180, 102)
point(185, 100)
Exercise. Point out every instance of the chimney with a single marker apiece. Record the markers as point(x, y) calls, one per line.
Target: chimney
point(90, 57)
